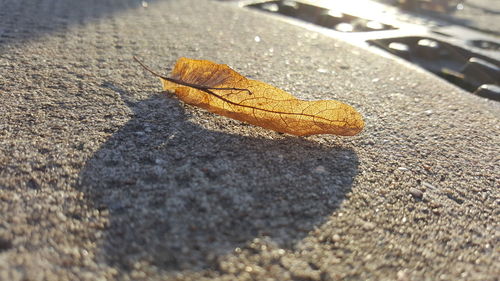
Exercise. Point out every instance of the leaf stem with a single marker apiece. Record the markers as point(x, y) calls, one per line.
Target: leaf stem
point(196, 86)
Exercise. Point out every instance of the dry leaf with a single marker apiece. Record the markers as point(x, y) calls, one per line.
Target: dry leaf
point(221, 90)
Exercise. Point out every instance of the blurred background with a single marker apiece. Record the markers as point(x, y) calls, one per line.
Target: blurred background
point(481, 15)
point(458, 41)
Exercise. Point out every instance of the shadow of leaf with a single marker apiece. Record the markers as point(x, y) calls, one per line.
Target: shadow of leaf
point(180, 196)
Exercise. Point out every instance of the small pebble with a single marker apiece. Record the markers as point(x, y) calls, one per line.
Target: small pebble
point(320, 169)
point(335, 238)
point(402, 276)
point(368, 226)
point(417, 194)
point(248, 269)
point(428, 185)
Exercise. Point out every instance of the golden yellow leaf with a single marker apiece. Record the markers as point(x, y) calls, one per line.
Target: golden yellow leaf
point(221, 90)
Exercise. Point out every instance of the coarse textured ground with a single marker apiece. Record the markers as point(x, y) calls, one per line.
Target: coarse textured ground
point(104, 177)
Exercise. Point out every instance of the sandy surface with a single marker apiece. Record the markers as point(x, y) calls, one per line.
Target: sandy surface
point(104, 177)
